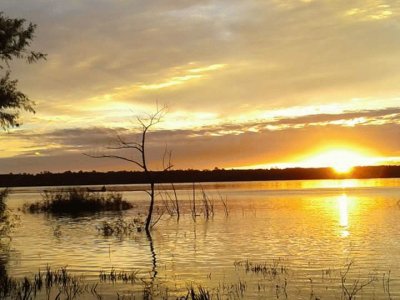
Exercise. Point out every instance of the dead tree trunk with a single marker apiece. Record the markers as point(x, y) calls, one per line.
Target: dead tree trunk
point(139, 148)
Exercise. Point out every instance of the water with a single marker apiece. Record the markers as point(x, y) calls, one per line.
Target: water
point(305, 234)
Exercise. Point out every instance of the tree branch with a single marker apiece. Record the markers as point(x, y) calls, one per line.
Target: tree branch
point(116, 156)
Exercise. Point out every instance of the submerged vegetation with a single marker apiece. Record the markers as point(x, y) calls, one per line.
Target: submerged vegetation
point(76, 201)
point(121, 227)
point(269, 280)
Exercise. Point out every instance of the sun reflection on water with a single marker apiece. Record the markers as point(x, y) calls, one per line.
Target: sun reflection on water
point(343, 205)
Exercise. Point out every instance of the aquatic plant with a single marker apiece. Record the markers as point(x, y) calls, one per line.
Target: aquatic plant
point(225, 205)
point(171, 203)
point(200, 293)
point(119, 276)
point(53, 283)
point(350, 290)
point(121, 226)
point(271, 270)
point(76, 201)
point(208, 205)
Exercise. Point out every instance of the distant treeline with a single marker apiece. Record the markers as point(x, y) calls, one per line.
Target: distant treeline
point(125, 177)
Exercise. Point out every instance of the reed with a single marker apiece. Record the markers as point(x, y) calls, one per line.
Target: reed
point(171, 203)
point(271, 270)
point(58, 283)
point(200, 293)
point(224, 201)
point(121, 276)
point(208, 205)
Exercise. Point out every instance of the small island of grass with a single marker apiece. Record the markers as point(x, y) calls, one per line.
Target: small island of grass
point(77, 201)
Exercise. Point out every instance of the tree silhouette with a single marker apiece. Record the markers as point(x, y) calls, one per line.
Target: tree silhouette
point(139, 148)
point(15, 40)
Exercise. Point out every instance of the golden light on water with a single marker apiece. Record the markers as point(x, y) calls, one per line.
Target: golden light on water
point(343, 210)
point(343, 207)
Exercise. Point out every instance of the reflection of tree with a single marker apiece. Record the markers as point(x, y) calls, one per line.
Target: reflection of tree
point(3, 271)
point(153, 258)
point(4, 242)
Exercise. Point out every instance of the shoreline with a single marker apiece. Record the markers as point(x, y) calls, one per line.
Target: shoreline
point(192, 176)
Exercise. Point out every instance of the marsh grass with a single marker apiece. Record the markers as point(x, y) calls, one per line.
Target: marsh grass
point(270, 270)
point(208, 205)
point(225, 205)
point(119, 276)
point(77, 201)
point(199, 293)
point(60, 284)
point(171, 202)
point(386, 284)
point(55, 284)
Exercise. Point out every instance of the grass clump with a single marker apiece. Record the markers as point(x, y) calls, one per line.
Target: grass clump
point(57, 284)
point(76, 201)
point(113, 276)
point(121, 227)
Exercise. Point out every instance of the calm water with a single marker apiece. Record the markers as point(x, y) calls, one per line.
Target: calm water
point(306, 231)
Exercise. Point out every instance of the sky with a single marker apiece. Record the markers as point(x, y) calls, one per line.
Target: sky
point(247, 84)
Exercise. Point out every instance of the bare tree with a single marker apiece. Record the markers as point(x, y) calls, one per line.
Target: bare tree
point(139, 148)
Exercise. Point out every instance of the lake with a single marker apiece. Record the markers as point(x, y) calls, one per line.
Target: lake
point(315, 239)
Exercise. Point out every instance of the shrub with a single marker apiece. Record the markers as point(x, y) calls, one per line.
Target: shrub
point(76, 201)
point(121, 227)
point(7, 219)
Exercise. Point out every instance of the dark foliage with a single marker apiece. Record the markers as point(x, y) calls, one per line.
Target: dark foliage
point(10, 101)
point(218, 175)
point(15, 40)
point(76, 201)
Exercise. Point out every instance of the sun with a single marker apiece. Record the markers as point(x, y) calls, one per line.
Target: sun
point(342, 161)
point(343, 168)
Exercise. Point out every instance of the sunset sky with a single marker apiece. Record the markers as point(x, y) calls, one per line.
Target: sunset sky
point(270, 83)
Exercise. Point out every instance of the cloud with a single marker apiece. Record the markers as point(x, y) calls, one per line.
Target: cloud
point(232, 72)
point(207, 151)
point(222, 145)
point(281, 52)
point(387, 115)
